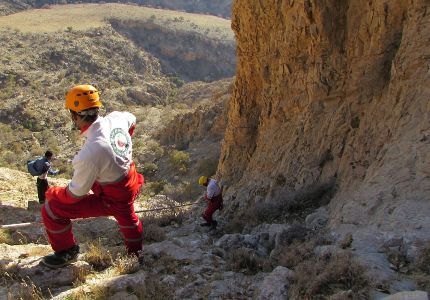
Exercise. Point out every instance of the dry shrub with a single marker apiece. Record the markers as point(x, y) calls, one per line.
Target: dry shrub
point(153, 233)
point(421, 272)
point(126, 264)
point(246, 261)
point(164, 218)
point(93, 292)
point(5, 237)
point(423, 282)
point(97, 256)
point(80, 275)
point(162, 262)
point(28, 290)
point(422, 262)
point(8, 273)
point(153, 289)
point(321, 277)
point(180, 160)
point(292, 255)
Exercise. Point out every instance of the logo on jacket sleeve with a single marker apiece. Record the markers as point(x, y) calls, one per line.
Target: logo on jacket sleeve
point(120, 142)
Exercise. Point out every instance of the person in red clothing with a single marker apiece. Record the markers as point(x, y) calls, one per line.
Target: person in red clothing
point(213, 196)
point(104, 165)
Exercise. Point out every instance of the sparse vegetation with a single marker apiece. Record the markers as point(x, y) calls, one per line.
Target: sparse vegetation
point(423, 260)
point(292, 255)
point(153, 233)
point(94, 292)
point(421, 267)
point(5, 237)
point(72, 18)
point(126, 264)
point(322, 277)
point(180, 161)
point(153, 289)
point(97, 256)
point(246, 261)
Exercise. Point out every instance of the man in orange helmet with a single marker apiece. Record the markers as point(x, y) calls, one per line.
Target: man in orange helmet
point(103, 165)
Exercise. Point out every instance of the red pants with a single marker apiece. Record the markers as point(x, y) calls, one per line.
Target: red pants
point(213, 205)
point(114, 199)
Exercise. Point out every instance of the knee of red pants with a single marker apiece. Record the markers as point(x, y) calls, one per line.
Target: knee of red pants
point(59, 232)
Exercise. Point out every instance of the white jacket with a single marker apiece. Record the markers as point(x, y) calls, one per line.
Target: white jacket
point(212, 189)
point(106, 154)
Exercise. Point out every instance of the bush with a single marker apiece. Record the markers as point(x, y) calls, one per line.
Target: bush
point(5, 237)
point(153, 288)
point(8, 158)
point(292, 255)
point(153, 233)
point(423, 260)
point(155, 149)
point(97, 256)
point(180, 161)
point(318, 278)
point(126, 264)
point(184, 192)
point(148, 169)
point(246, 261)
point(154, 188)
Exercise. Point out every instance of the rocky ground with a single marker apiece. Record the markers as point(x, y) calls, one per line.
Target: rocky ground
point(182, 260)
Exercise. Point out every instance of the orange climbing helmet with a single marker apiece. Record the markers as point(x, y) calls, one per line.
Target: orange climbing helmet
point(82, 97)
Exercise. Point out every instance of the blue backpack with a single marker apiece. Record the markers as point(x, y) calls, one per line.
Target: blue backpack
point(34, 165)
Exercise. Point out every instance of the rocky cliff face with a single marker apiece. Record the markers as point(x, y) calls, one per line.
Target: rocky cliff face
point(332, 96)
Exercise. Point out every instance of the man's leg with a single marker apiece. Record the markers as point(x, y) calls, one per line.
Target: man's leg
point(207, 214)
point(42, 186)
point(56, 217)
point(213, 205)
point(131, 229)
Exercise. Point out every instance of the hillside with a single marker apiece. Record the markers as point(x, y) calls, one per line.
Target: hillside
point(189, 46)
point(217, 7)
point(42, 59)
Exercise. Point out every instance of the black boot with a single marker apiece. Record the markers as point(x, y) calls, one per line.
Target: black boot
point(62, 258)
point(205, 224)
point(214, 224)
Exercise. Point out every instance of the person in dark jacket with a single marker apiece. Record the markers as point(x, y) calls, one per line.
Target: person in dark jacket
point(43, 165)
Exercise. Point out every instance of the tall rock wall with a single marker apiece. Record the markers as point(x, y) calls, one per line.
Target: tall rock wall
point(333, 95)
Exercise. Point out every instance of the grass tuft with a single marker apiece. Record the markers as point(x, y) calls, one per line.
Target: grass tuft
point(322, 277)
